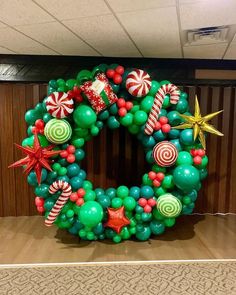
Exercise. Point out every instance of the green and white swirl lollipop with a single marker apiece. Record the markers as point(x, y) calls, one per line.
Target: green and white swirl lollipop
point(169, 206)
point(57, 131)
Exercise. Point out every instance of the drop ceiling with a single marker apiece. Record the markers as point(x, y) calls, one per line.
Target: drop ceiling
point(123, 28)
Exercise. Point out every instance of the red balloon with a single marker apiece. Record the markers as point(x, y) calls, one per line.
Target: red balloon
point(39, 124)
point(120, 70)
point(201, 152)
point(165, 128)
point(147, 209)
point(163, 120)
point(40, 209)
point(80, 202)
point(81, 192)
point(70, 149)
point(74, 197)
point(160, 176)
point(197, 160)
point(122, 112)
point(121, 103)
point(142, 202)
point(117, 79)
point(156, 183)
point(64, 154)
point(110, 73)
point(70, 158)
point(152, 175)
point(152, 202)
point(157, 126)
point(128, 105)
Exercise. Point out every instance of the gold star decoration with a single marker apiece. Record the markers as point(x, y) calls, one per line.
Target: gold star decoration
point(199, 124)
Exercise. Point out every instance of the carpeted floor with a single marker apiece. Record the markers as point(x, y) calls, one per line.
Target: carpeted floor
point(197, 277)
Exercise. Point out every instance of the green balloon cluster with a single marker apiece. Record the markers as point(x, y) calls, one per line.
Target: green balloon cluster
point(165, 192)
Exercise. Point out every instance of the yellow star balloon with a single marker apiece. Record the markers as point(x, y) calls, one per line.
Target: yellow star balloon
point(199, 124)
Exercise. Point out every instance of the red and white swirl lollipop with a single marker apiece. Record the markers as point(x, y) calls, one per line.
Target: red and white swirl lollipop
point(61, 201)
point(138, 83)
point(59, 104)
point(165, 154)
point(158, 101)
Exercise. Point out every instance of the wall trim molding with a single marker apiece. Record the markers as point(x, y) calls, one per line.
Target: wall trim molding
point(34, 68)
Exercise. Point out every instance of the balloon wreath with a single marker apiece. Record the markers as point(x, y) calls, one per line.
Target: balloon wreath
point(77, 109)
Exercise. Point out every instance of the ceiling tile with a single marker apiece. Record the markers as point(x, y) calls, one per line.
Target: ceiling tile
point(207, 14)
point(231, 52)
point(71, 9)
point(213, 51)
point(5, 51)
point(105, 34)
point(124, 5)
point(57, 37)
point(154, 31)
point(21, 44)
point(22, 12)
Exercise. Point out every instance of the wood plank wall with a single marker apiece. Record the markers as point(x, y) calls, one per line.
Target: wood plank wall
point(116, 158)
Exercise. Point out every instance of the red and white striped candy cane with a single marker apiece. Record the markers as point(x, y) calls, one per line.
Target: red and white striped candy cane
point(158, 101)
point(63, 198)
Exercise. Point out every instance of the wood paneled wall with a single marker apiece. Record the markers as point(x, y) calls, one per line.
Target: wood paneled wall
point(115, 158)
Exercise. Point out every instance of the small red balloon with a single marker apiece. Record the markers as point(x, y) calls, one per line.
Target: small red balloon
point(110, 73)
point(165, 128)
point(163, 120)
point(121, 103)
point(152, 175)
point(194, 152)
point(39, 202)
point(128, 105)
point(70, 149)
point(81, 192)
point(147, 209)
point(70, 158)
point(74, 197)
point(160, 176)
point(64, 154)
point(142, 202)
point(156, 183)
point(157, 126)
point(122, 112)
point(197, 160)
point(39, 124)
point(40, 209)
point(120, 70)
point(117, 79)
point(201, 152)
point(151, 202)
point(80, 202)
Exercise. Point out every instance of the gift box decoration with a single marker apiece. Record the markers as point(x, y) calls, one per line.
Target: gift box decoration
point(99, 92)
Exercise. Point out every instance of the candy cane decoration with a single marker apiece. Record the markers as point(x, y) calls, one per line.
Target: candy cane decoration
point(63, 198)
point(158, 101)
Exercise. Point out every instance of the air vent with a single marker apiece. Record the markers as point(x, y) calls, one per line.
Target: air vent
point(208, 35)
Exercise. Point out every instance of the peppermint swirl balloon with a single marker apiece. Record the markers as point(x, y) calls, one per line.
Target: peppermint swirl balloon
point(58, 131)
point(59, 104)
point(138, 83)
point(165, 154)
point(169, 206)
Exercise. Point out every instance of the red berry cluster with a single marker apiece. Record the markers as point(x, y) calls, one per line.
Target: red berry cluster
point(75, 93)
point(68, 154)
point(147, 204)
point(38, 127)
point(162, 124)
point(78, 196)
point(156, 178)
point(116, 74)
point(123, 106)
point(39, 202)
point(197, 154)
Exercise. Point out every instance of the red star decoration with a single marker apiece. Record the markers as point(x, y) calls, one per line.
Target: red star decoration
point(117, 219)
point(37, 158)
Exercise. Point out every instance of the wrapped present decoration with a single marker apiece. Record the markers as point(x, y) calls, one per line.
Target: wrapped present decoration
point(99, 92)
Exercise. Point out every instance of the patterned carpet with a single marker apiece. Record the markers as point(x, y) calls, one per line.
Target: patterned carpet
point(198, 277)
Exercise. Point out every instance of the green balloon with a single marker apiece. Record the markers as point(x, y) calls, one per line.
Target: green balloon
point(166, 102)
point(73, 170)
point(129, 203)
point(174, 118)
point(186, 137)
point(116, 202)
point(84, 116)
point(83, 76)
point(157, 227)
point(184, 158)
point(127, 120)
point(186, 177)
point(169, 222)
point(91, 213)
point(140, 117)
point(168, 182)
point(133, 129)
point(122, 191)
point(146, 103)
point(182, 106)
point(29, 141)
point(113, 123)
point(154, 88)
point(78, 142)
point(204, 163)
point(144, 233)
point(31, 116)
point(90, 196)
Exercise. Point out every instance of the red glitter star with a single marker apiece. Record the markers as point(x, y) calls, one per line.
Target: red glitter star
point(37, 158)
point(117, 219)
